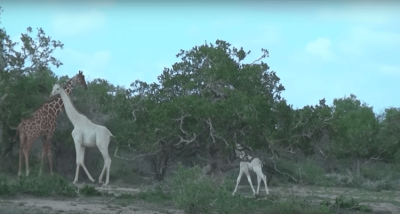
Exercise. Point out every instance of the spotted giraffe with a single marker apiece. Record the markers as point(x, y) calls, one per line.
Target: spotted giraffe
point(43, 123)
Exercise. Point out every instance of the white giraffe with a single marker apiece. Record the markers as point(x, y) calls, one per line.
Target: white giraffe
point(248, 164)
point(85, 134)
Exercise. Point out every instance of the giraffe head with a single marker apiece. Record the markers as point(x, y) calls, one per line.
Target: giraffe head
point(56, 90)
point(80, 78)
point(77, 79)
point(239, 151)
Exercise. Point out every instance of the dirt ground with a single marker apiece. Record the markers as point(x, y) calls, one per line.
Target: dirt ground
point(25, 204)
point(382, 202)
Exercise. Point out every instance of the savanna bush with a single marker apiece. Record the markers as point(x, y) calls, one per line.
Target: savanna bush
point(197, 193)
point(38, 186)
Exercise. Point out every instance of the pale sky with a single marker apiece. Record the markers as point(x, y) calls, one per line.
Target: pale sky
point(319, 50)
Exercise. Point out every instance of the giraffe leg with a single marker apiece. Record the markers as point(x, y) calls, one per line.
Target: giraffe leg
point(78, 153)
point(76, 173)
point(107, 165)
point(80, 156)
point(265, 183)
point(20, 157)
point(21, 148)
point(103, 147)
point(258, 182)
point(50, 159)
point(249, 179)
point(43, 155)
point(48, 153)
point(260, 176)
point(26, 154)
point(238, 180)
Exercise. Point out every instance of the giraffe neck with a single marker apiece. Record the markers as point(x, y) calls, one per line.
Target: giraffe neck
point(74, 116)
point(70, 85)
point(59, 104)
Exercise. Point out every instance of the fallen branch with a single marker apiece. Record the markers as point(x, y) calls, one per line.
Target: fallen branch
point(140, 156)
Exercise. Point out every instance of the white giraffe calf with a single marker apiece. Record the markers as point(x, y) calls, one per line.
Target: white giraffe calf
point(248, 164)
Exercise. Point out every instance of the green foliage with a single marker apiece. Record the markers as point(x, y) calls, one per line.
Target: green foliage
point(297, 206)
point(89, 191)
point(154, 195)
point(356, 128)
point(25, 78)
point(207, 97)
point(192, 191)
point(45, 186)
point(343, 202)
point(311, 173)
point(39, 186)
point(196, 193)
point(389, 134)
point(5, 188)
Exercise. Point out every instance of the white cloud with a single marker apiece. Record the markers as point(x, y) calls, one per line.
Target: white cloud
point(320, 47)
point(77, 24)
point(390, 70)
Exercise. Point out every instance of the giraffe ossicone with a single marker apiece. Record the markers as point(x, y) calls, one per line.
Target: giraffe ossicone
point(43, 123)
point(85, 134)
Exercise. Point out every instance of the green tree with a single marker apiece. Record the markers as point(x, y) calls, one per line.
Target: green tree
point(202, 105)
point(356, 129)
point(25, 77)
point(389, 134)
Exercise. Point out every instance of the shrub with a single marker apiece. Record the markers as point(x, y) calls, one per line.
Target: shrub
point(197, 193)
point(45, 186)
point(89, 191)
point(312, 174)
point(38, 186)
point(5, 188)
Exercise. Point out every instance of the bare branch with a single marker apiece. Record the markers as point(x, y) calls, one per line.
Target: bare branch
point(320, 150)
point(132, 159)
point(133, 114)
point(257, 60)
point(284, 173)
point(185, 141)
point(213, 133)
point(181, 123)
point(373, 158)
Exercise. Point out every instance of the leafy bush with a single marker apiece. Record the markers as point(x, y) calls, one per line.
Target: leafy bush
point(38, 186)
point(89, 191)
point(155, 195)
point(351, 203)
point(45, 186)
point(196, 193)
point(5, 189)
point(311, 173)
